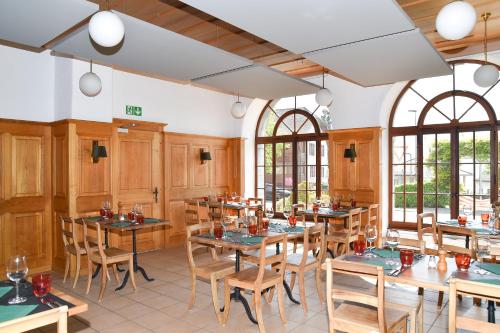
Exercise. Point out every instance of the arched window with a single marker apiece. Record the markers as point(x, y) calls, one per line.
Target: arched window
point(292, 152)
point(443, 143)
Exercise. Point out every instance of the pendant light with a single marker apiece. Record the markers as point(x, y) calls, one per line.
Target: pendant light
point(90, 83)
point(239, 109)
point(106, 28)
point(324, 96)
point(486, 75)
point(456, 20)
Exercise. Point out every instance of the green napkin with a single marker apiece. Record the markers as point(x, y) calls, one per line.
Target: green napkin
point(151, 220)
point(9, 312)
point(493, 268)
point(120, 224)
point(4, 290)
point(383, 253)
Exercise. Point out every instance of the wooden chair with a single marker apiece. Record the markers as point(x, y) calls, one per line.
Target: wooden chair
point(298, 212)
point(353, 315)
point(343, 238)
point(71, 247)
point(97, 254)
point(191, 212)
point(217, 212)
point(58, 315)
point(296, 263)
point(472, 320)
point(213, 271)
point(373, 216)
point(258, 279)
point(453, 249)
point(421, 218)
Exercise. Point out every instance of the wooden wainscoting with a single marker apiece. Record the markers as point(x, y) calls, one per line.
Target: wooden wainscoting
point(186, 177)
point(25, 193)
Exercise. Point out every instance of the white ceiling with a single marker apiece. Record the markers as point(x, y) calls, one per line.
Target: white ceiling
point(36, 22)
point(308, 25)
point(151, 49)
point(399, 57)
point(258, 81)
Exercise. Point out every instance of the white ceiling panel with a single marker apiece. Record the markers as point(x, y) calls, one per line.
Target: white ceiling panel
point(258, 81)
point(399, 57)
point(151, 49)
point(36, 22)
point(308, 25)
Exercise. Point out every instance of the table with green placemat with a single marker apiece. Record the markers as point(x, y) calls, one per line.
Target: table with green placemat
point(115, 224)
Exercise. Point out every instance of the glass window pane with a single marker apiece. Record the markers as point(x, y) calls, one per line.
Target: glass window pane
point(429, 178)
point(465, 147)
point(324, 152)
point(302, 177)
point(279, 153)
point(443, 148)
point(464, 78)
point(305, 128)
point(466, 178)
point(397, 207)
point(445, 107)
point(482, 146)
point(434, 117)
point(443, 178)
point(311, 152)
point(475, 113)
point(260, 177)
point(283, 129)
point(302, 153)
point(433, 86)
point(411, 208)
point(411, 149)
point(429, 148)
point(287, 154)
point(409, 108)
point(260, 155)
point(411, 178)
point(443, 207)
point(430, 203)
point(482, 181)
point(311, 179)
point(398, 178)
point(398, 150)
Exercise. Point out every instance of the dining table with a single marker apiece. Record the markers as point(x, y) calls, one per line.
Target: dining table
point(480, 228)
point(124, 225)
point(239, 241)
point(420, 275)
point(231, 205)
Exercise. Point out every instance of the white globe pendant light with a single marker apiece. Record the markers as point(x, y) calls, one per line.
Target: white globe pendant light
point(90, 83)
point(106, 28)
point(324, 96)
point(486, 75)
point(456, 20)
point(239, 109)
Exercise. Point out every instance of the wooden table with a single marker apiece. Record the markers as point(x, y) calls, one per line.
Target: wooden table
point(238, 206)
point(115, 224)
point(480, 228)
point(240, 247)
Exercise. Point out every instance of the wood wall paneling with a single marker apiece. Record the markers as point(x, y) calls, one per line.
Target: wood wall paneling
point(221, 166)
point(95, 178)
point(200, 172)
point(27, 166)
point(179, 166)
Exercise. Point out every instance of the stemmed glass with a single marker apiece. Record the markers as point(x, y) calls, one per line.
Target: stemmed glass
point(392, 240)
point(17, 268)
point(371, 236)
point(467, 211)
point(269, 212)
point(226, 222)
point(286, 214)
point(246, 222)
point(234, 195)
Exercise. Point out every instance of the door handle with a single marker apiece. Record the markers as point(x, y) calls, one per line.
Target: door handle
point(155, 192)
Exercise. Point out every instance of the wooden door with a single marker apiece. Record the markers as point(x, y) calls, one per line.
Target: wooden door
point(25, 194)
point(138, 178)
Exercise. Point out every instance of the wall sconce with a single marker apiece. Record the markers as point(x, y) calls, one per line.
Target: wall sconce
point(98, 151)
point(351, 152)
point(205, 156)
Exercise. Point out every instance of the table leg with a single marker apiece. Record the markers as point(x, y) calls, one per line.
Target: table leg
point(135, 264)
point(285, 284)
point(325, 220)
point(491, 312)
point(467, 240)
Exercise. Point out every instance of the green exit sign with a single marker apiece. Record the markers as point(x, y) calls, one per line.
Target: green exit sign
point(133, 110)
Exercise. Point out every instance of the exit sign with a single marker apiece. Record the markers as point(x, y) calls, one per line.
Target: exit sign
point(133, 110)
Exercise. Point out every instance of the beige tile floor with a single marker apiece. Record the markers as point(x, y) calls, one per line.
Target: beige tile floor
point(161, 306)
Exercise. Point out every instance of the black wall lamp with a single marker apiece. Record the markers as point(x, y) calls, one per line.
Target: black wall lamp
point(205, 156)
point(98, 151)
point(351, 152)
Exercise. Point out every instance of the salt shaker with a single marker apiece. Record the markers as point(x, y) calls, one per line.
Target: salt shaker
point(442, 266)
point(432, 262)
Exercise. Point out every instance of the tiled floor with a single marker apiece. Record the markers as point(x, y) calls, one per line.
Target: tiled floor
point(161, 306)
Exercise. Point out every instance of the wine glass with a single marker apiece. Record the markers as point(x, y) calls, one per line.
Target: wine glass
point(234, 195)
point(286, 213)
point(41, 285)
point(17, 269)
point(246, 222)
point(371, 236)
point(269, 212)
point(392, 240)
point(226, 222)
point(467, 211)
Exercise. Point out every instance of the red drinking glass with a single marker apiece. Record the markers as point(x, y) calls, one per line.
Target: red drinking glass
point(485, 217)
point(292, 220)
point(359, 247)
point(463, 261)
point(41, 284)
point(130, 216)
point(218, 232)
point(462, 220)
point(335, 206)
point(406, 257)
point(205, 198)
point(353, 203)
point(102, 212)
point(265, 223)
point(247, 201)
point(109, 214)
point(315, 207)
point(139, 218)
point(252, 229)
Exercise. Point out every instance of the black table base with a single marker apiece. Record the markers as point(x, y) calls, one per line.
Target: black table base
point(491, 312)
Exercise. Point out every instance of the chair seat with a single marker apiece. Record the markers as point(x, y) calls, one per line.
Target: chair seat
point(72, 249)
point(338, 236)
point(254, 256)
point(217, 269)
point(294, 259)
point(399, 297)
point(113, 255)
point(363, 318)
point(246, 278)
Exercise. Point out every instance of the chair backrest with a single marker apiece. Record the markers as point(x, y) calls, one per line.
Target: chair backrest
point(93, 243)
point(373, 213)
point(415, 244)
point(452, 249)
point(298, 211)
point(477, 290)
point(216, 211)
point(68, 231)
point(369, 272)
point(421, 218)
point(58, 315)
point(314, 239)
point(192, 246)
point(278, 260)
point(192, 211)
point(354, 222)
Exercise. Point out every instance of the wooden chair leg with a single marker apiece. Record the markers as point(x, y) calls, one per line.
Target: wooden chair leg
point(132, 273)
point(115, 273)
point(295, 246)
point(258, 311)
point(192, 298)
point(66, 267)
point(77, 271)
point(227, 302)
point(292, 279)
point(104, 281)
point(420, 324)
point(281, 303)
point(318, 284)
point(215, 298)
point(302, 290)
point(270, 295)
point(89, 280)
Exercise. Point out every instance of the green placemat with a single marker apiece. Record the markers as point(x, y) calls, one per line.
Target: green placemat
point(378, 262)
point(120, 224)
point(383, 253)
point(9, 312)
point(493, 268)
point(294, 230)
point(151, 220)
point(94, 218)
point(4, 290)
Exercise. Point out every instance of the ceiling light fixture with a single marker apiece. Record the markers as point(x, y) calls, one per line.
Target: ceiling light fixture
point(324, 96)
point(90, 83)
point(106, 28)
point(239, 109)
point(486, 75)
point(456, 20)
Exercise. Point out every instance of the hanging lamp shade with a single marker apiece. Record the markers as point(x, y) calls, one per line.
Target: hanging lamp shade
point(106, 28)
point(456, 20)
point(90, 84)
point(324, 96)
point(238, 110)
point(486, 75)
